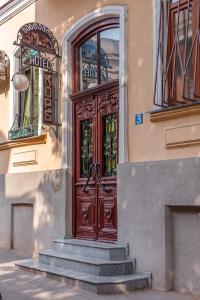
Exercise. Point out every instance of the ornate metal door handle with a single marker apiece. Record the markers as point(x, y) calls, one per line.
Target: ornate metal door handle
point(88, 178)
point(103, 187)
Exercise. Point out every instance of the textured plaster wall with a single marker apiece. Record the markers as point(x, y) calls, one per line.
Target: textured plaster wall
point(46, 192)
point(59, 17)
point(49, 154)
point(145, 193)
point(147, 141)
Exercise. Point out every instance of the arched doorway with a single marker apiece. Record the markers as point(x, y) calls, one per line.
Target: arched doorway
point(95, 112)
point(69, 37)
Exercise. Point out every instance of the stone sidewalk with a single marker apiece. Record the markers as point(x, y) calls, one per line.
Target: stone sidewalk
point(22, 285)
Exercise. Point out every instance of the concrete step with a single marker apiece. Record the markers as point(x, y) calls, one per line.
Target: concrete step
point(94, 265)
point(92, 283)
point(115, 251)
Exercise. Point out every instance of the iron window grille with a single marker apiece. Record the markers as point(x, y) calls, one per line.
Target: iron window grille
point(177, 76)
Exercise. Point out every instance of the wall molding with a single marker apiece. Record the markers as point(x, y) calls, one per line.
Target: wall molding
point(182, 136)
point(11, 8)
point(36, 140)
point(177, 145)
point(25, 158)
point(173, 113)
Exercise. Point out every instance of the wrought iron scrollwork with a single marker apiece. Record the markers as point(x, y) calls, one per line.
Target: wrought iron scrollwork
point(17, 132)
point(110, 146)
point(85, 147)
point(101, 186)
point(177, 65)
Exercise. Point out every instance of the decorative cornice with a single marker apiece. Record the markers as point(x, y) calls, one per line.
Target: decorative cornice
point(13, 7)
point(177, 145)
point(173, 113)
point(36, 140)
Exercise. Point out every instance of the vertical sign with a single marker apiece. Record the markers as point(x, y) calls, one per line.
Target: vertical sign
point(48, 107)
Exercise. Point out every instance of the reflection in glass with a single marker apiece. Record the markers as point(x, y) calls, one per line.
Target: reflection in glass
point(110, 145)
point(85, 146)
point(28, 110)
point(88, 64)
point(109, 54)
point(185, 44)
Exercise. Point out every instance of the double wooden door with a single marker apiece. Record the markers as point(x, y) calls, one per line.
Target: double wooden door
point(95, 149)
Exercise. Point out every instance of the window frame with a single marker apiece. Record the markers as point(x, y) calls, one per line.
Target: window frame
point(164, 28)
point(89, 32)
point(14, 99)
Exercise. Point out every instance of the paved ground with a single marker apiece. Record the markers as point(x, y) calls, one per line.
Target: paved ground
point(22, 285)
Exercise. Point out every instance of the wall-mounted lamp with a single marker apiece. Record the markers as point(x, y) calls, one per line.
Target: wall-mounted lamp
point(4, 63)
point(20, 81)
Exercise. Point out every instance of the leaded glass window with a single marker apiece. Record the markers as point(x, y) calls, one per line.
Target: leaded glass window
point(85, 146)
point(109, 145)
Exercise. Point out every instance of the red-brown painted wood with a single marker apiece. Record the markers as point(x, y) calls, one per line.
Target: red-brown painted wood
point(95, 214)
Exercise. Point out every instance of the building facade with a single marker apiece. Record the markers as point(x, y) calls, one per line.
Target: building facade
point(116, 156)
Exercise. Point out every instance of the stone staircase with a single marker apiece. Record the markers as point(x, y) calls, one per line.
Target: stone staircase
point(102, 268)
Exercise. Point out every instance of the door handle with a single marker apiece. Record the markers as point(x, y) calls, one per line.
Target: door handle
point(103, 187)
point(88, 178)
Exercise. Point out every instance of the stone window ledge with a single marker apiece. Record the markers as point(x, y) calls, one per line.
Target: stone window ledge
point(174, 112)
point(29, 141)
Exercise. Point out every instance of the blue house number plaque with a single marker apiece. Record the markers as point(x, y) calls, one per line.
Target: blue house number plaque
point(138, 119)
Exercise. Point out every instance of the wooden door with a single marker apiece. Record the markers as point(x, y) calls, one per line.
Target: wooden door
point(95, 162)
point(95, 130)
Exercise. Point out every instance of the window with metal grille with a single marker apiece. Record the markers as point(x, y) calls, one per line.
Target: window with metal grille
point(177, 79)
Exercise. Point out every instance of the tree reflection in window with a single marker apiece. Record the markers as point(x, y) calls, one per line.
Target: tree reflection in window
point(99, 59)
point(88, 63)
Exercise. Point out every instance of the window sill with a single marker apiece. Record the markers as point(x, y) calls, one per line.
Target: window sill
point(29, 141)
point(175, 112)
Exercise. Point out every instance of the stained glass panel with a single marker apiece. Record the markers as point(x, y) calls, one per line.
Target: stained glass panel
point(110, 145)
point(85, 147)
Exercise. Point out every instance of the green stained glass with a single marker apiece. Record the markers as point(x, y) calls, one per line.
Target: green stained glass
point(85, 147)
point(35, 97)
point(110, 145)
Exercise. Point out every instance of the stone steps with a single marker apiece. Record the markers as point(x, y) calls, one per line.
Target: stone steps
point(101, 268)
point(95, 266)
point(116, 251)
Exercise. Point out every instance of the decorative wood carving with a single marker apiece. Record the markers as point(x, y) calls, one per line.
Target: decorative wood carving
point(108, 102)
point(94, 220)
point(108, 214)
point(85, 109)
point(84, 213)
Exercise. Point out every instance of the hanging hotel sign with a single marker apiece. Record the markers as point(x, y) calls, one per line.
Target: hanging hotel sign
point(38, 36)
point(35, 58)
point(39, 48)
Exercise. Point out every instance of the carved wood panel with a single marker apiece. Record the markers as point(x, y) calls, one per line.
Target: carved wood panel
point(95, 208)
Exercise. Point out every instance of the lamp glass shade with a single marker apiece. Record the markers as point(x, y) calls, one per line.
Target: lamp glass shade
point(20, 81)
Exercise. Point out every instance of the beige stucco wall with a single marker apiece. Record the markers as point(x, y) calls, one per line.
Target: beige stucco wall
point(48, 156)
point(145, 142)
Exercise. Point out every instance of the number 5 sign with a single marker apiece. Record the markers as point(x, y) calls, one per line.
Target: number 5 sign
point(138, 119)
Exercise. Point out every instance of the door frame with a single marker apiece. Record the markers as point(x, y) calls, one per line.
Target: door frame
point(67, 73)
